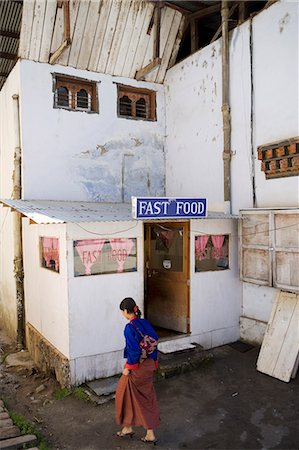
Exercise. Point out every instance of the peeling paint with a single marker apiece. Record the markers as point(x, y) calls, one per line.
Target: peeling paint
point(108, 175)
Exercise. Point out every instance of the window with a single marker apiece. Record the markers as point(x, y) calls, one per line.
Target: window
point(280, 159)
point(100, 256)
point(50, 253)
point(75, 94)
point(269, 248)
point(136, 103)
point(211, 252)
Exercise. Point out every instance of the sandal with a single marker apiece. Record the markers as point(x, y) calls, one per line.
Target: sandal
point(149, 441)
point(121, 434)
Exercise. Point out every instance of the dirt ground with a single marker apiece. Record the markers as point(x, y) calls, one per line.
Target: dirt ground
point(226, 405)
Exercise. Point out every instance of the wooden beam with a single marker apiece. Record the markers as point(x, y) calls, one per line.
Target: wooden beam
point(242, 12)
point(194, 36)
point(58, 52)
point(204, 12)
point(11, 56)
point(218, 32)
point(177, 8)
point(4, 74)
point(9, 34)
point(66, 20)
point(140, 74)
point(157, 26)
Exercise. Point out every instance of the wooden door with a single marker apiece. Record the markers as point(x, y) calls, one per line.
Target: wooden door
point(167, 275)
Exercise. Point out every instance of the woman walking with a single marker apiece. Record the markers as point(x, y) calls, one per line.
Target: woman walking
point(135, 401)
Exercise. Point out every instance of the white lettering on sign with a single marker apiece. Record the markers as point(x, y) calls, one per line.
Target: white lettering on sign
point(189, 208)
point(155, 208)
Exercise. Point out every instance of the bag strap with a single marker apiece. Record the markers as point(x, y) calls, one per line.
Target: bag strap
point(136, 328)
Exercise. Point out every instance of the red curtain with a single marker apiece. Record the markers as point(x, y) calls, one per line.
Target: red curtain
point(217, 243)
point(200, 245)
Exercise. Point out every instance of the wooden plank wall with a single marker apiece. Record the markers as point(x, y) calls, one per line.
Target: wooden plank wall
point(107, 36)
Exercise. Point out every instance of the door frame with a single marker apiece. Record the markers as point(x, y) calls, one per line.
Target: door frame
point(186, 259)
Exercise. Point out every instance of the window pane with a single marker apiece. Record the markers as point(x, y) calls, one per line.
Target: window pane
point(50, 253)
point(99, 256)
point(125, 106)
point(141, 108)
point(82, 99)
point(166, 249)
point(211, 252)
point(62, 96)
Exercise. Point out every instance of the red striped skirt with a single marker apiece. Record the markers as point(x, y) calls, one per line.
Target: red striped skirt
point(135, 399)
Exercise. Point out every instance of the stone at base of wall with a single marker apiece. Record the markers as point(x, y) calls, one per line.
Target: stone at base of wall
point(252, 330)
point(46, 357)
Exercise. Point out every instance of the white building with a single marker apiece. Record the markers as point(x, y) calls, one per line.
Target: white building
point(92, 136)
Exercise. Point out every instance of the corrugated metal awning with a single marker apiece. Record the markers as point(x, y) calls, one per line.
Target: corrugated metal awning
point(55, 211)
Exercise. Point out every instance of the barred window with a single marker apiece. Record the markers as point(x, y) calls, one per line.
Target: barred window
point(136, 103)
point(75, 94)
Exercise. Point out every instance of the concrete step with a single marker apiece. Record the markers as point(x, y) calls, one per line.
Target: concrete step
point(174, 346)
point(188, 357)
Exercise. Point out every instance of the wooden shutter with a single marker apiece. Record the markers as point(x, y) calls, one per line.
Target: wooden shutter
point(286, 250)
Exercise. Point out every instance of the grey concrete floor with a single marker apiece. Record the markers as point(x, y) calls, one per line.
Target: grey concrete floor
point(226, 405)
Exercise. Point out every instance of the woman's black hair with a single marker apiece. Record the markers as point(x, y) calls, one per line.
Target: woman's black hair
point(129, 304)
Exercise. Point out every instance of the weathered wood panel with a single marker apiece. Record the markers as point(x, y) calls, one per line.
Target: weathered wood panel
point(255, 229)
point(126, 38)
point(77, 36)
point(109, 35)
point(256, 265)
point(169, 44)
point(117, 39)
point(135, 40)
point(287, 270)
point(99, 36)
point(26, 29)
point(89, 34)
point(37, 29)
point(46, 38)
point(286, 230)
point(281, 341)
point(74, 8)
point(58, 30)
point(143, 41)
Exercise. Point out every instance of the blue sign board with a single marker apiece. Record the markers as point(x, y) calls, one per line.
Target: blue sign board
point(164, 208)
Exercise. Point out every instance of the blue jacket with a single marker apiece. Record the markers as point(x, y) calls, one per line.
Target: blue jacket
point(132, 350)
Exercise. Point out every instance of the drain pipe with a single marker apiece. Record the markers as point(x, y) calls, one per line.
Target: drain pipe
point(225, 108)
point(17, 229)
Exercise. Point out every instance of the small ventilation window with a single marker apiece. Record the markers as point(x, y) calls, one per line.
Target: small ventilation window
point(136, 103)
point(125, 106)
point(75, 94)
point(141, 108)
point(62, 96)
point(83, 100)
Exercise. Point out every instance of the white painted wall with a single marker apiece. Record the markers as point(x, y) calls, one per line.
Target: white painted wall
point(216, 296)
point(193, 89)
point(7, 147)
point(46, 291)
point(74, 155)
point(194, 128)
point(276, 107)
point(96, 322)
